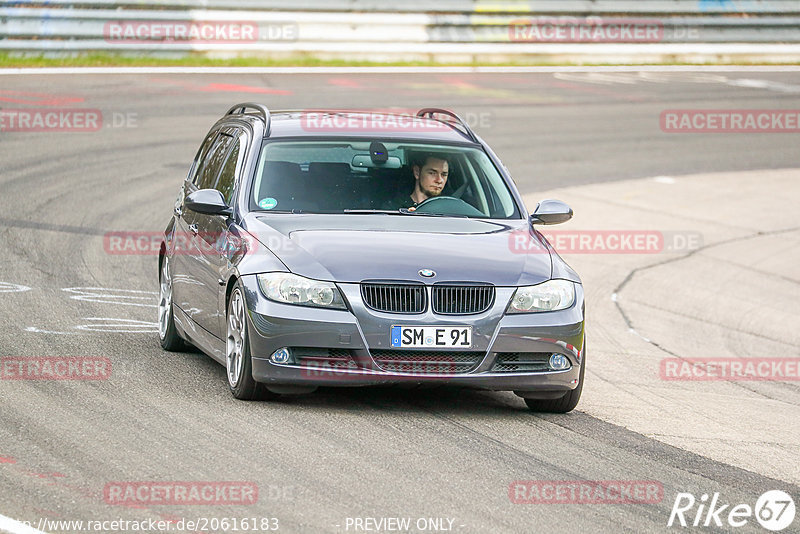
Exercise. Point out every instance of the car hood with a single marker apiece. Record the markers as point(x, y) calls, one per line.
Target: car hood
point(355, 247)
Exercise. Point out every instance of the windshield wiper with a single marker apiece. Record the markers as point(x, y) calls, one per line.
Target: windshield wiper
point(427, 214)
point(381, 212)
point(293, 211)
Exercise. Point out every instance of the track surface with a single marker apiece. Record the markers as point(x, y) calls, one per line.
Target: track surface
point(336, 454)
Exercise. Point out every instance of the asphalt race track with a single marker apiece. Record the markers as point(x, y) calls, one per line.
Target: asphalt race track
point(445, 456)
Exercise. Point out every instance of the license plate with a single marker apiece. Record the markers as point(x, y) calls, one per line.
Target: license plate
point(432, 336)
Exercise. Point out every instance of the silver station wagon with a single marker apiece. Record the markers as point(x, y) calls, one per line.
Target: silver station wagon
point(344, 248)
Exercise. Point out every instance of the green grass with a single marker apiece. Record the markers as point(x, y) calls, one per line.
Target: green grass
point(94, 59)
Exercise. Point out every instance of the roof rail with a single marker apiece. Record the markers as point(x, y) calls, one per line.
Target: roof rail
point(430, 112)
point(261, 108)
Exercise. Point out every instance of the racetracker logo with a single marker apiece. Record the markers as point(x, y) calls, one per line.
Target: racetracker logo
point(774, 510)
point(358, 121)
point(387, 120)
point(180, 493)
point(605, 242)
point(180, 243)
point(586, 492)
point(197, 31)
point(730, 121)
point(432, 367)
point(55, 368)
point(50, 120)
point(731, 369)
point(585, 30)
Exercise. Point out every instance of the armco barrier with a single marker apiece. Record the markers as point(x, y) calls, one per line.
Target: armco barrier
point(573, 7)
point(379, 30)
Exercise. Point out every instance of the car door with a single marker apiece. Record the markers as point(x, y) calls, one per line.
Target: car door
point(229, 244)
point(179, 266)
point(207, 258)
point(195, 254)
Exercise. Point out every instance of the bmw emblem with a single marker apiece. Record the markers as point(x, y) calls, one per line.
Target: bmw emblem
point(427, 273)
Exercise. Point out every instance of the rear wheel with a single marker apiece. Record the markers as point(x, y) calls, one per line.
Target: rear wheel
point(564, 404)
point(167, 333)
point(238, 363)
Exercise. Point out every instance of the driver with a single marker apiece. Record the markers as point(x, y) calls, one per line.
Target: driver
point(430, 177)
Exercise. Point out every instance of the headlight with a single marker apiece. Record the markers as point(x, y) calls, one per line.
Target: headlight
point(293, 289)
point(548, 296)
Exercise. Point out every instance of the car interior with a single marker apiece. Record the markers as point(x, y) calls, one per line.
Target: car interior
point(366, 182)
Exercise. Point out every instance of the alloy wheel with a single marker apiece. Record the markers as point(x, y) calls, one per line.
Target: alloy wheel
point(234, 346)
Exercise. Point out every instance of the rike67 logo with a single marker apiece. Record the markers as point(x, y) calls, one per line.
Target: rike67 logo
point(774, 510)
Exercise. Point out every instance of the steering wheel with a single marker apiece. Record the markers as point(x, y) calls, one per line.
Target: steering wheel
point(448, 206)
point(431, 200)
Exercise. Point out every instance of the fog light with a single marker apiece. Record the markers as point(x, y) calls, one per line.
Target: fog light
point(558, 362)
point(282, 355)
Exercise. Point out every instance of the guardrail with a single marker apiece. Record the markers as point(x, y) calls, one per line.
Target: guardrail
point(541, 7)
point(458, 30)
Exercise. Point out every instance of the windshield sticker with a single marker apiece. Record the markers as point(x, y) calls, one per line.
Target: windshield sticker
point(267, 203)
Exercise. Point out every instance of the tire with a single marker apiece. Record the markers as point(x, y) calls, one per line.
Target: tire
point(238, 363)
point(564, 404)
point(167, 333)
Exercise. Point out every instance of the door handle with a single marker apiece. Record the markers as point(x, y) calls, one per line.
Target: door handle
point(193, 228)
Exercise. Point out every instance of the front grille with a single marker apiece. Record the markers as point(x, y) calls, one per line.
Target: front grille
point(426, 362)
point(317, 358)
point(394, 298)
point(521, 362)
point(462, 299)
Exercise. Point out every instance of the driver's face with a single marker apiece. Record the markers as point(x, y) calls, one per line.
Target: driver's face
point(431, 176)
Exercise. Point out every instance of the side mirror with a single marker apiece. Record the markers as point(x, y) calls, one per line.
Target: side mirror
point(551, 212)
point(208, 201)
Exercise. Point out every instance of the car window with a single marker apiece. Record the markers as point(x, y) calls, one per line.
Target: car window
point(209, 169)
point(344, 176)
point(227, 177)
point(201, 153)
point(488, 184)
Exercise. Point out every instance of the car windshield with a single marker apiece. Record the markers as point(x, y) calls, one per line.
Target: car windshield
point(358, 177)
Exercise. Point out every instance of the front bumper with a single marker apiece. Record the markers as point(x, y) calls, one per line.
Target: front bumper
point(360, 333)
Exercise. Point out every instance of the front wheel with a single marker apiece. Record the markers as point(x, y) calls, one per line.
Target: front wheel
point(238, 363)
point(564, 404)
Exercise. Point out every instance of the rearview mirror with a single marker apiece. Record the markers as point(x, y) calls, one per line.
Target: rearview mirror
point(551, 212)
point(207, 201)
point(365, 161)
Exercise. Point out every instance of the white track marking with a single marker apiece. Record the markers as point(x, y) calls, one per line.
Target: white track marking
point(599, 78)
point(16, 527)
point(36, 330)
point(664, 179)
point(633, 78)
point(765, 84)
point(118, 326)
point(682, 76)
point(395, 70)
point(7, 287)
point(123, 297)
point(632, 331)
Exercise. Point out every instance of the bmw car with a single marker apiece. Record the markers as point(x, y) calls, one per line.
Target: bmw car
point(351, 248)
